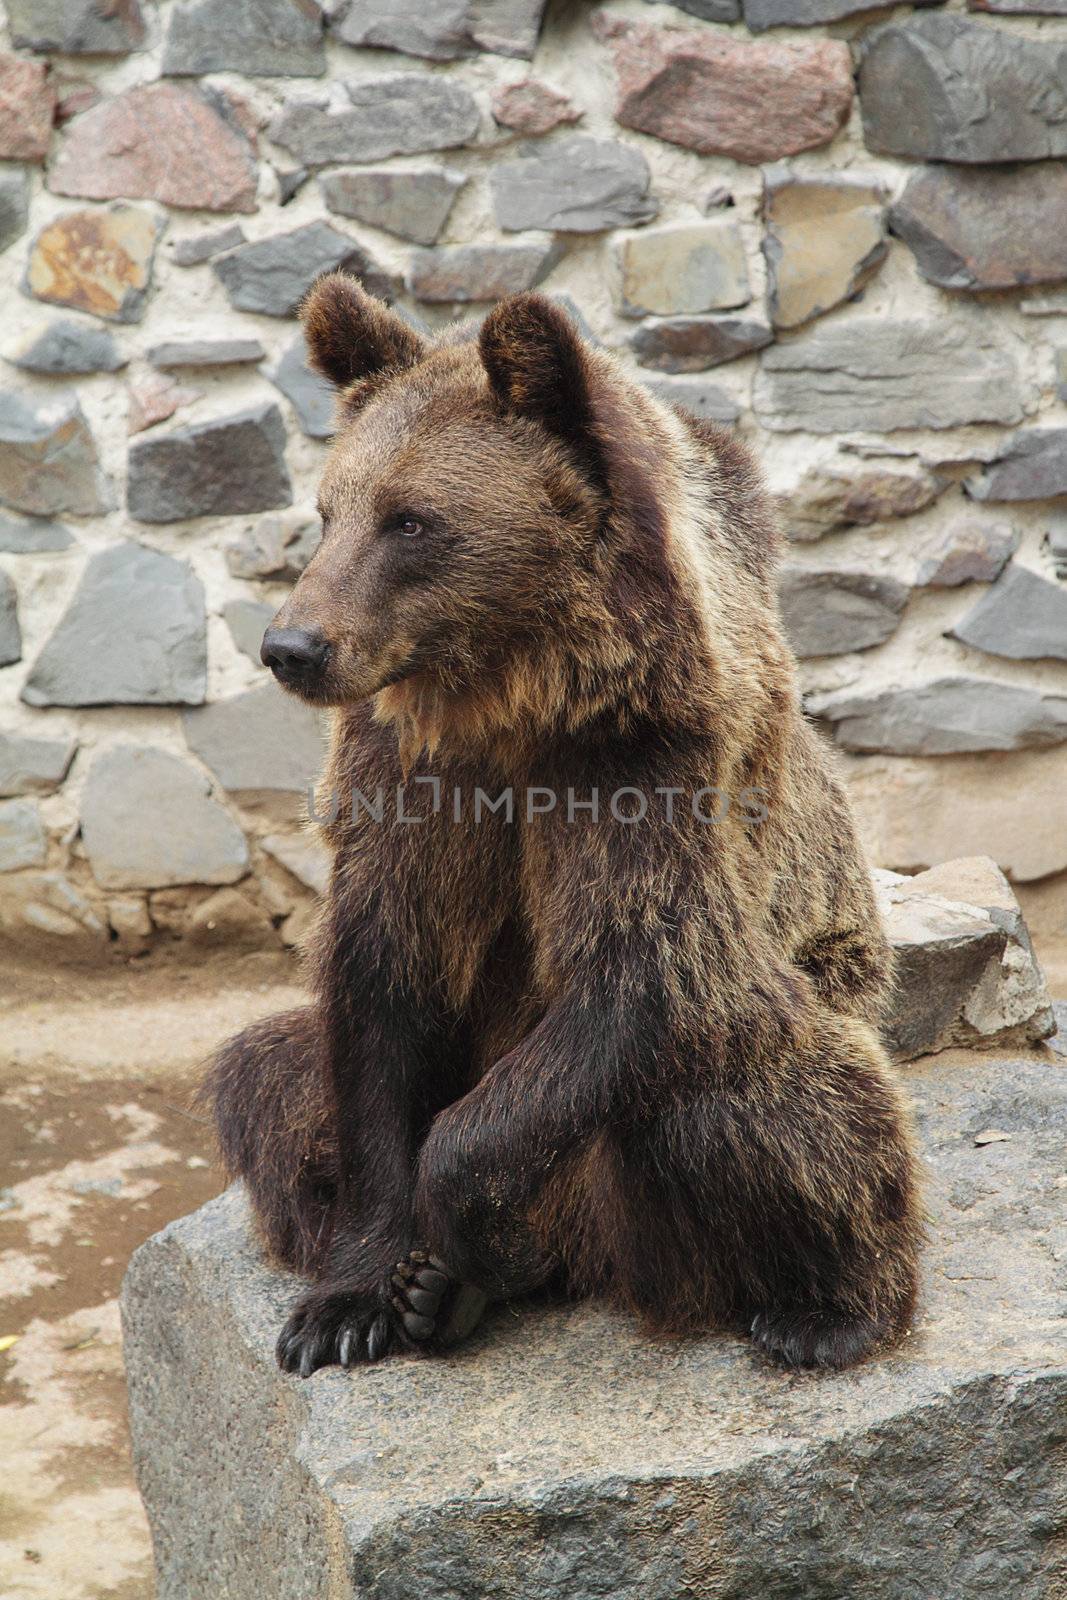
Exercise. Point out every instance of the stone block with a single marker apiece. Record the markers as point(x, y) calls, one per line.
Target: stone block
point(278, 548)
point(65, 346)
point(1032, 466)
point(29, 765)
point(827, 498)
point(217, 468)
point(77, 27)
point(370, 119)
point(31, 535)
point(205, 352)
point(273, 275)
point(693, 344)
point(14, 204)
point(967, 552)
point(705, 400)
point(560, 1455)
point(247, 621)
point(10, 632)
point(260, 740)
point(760, 14)
point(1022, 617)
point(472, 272)
point(412, 204)
point(825, 239)
point(829, 611)
point(48, 459)
point(98, 261)
point(576, 185)
point(532, 107)
point(974, 228)
point(27, 106)
point(23, 840)
point(686, 267)
point(945, 716)
point(311, 397)
point(442, 30)
point(198, 247)
point(261, 38)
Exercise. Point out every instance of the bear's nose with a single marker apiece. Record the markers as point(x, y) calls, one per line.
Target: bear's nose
point(293, 652)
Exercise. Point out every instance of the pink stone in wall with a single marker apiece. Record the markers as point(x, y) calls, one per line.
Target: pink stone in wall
point(724, 96)
point(27, 105)
point(532, 107)
point(159, 141)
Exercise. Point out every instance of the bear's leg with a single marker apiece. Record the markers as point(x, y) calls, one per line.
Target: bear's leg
point(782, 1201)
point(267, 1090)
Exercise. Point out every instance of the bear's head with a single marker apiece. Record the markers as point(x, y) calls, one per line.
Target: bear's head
point(492, 543)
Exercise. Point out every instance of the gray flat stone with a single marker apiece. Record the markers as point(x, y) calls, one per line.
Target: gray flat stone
point(247, 621)
point(198, 247)
point(277, 548)
point(273, 275)
point(761, 14)
point(968, 552)
point(440, 30)
point(48, 460)
point(150, 821)
point(705, 400)
point(369, 119)
point(10, 633)
point(77, 27)
point(23, 840)
point(472, 272)
point(707, 10)
point(1023, 617)
point(414, 205)
point(14, 204)
point(943, 88)
point(1056, 538)
point(828, 611)
point(303, 856)
point(311, 397)
point(261, 38)
point(64, 345)
point(30, 535)
point(133, 634)
point(693, 344)
point(943, 717)
point(685, 267)
point(1032, 466)
point(575, 185)
point(560, 1456)
point(218, 468)
point(33, 766)
point(985, 228)
point(261, 739)
point(827, 498)
point(884, 374)
point(204, 352)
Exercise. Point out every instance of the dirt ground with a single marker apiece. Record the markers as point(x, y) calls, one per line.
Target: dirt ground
point(98, 1149)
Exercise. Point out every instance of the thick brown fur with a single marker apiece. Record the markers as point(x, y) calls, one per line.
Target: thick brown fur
point(640, 1055)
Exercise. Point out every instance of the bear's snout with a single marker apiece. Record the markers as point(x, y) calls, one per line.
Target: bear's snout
point(294, 655)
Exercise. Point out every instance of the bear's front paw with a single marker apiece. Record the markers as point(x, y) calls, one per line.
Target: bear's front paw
point(336, 1328)
point(433, 1307)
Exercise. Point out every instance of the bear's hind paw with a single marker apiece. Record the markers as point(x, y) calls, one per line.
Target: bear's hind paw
point(434, 1309)
point(814, 1338)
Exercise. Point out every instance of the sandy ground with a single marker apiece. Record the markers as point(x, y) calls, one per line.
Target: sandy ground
point(98, 1149)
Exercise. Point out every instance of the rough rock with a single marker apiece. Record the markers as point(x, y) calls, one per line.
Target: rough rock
point(693, 344)
point(149, 820)
point(30, 535)
point(198, 247)
point(247, 621)
point(1056, 538)
point(982, 228)
point(10, 633)
point(14, 204)
point(441, 31)
point(1023, 617)
point(967, 552)
point(707, 10)
point(229, 920)
point(217, 468)
point(73, 96)
point(532, 107)
point(723, 96)
point(65, 345)
point(135, 633)
point(943, 88)
point(964, 967)
point(944, 717)
point(261, 38)
point(27, 106)
point(562, 1455)
point(258, 740)
point(825, 239)
point(370, 119)
point(472, 272)
point(575, 185)
point(687, 267)
point(825, 499)
point(1032, 466)
point(311, 397)
point(273, 275)
point(48, 903)
point(303, 856)
point(155, 398)
point(77, 27)
point(883, 373)
point(157, 141)
point(48, 460)
point(703, 399)
point(205, 352)
point(29, 765)
point(1021, 8)
point(98, 261)
point(23, 840)
point(278, 548)
point(760, 14)
point(412, 204)
point(828, 611)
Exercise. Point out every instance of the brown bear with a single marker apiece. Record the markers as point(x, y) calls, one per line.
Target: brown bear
point(619, 1035)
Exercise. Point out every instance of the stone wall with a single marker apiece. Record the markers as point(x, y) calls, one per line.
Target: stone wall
point(844, 232)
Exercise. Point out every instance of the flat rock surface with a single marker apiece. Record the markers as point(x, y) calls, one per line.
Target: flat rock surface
point(562, 1455)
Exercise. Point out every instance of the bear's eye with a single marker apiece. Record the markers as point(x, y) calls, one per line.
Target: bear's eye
point(410, 527)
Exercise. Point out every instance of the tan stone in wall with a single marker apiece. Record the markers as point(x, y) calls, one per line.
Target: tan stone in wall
point(97, 261)
point(825, 238)
point(687, 268)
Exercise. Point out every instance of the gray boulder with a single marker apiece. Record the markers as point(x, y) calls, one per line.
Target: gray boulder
point(985, 228)
point(944, 717)
point(273, 275)
point(23, 840)
point(10, 633)
point(561, 1456)
point(261, 38)
point(33, 766)
point(247, 621)
point(218, 468)
point(48, 460)
point(77, 27)
point(1023, 617)
point(705, 400)
point(1032, 466)
point(65, 345)
point(473, 272)
point(576, 185)
point(29, 535)
point(262, 739)
point(693, 344)
point(204, 352)
point(14, 204)
point(828, 611)
point(370, 119)
point(278, 548)
point(311, 397)
point(414, 205)
point(135, 633)
point(443, 29)
point(150, 821)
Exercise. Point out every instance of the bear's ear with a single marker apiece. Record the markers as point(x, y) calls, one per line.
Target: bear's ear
point(538, 368)
point(351, 335)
